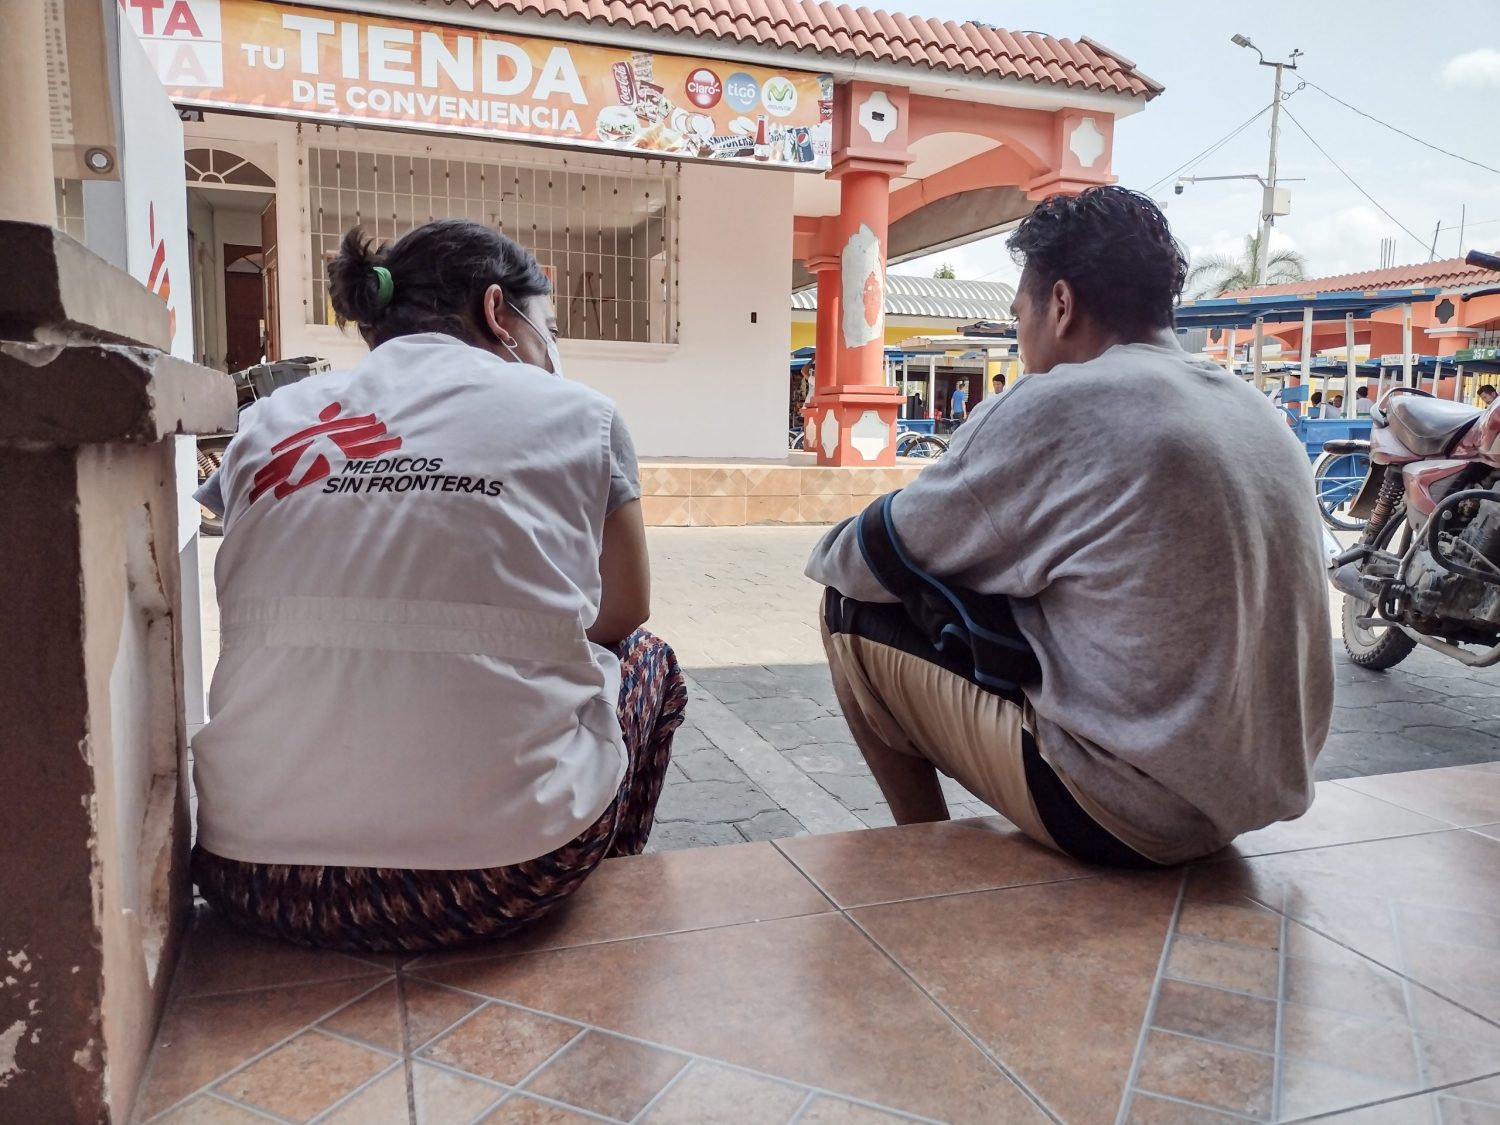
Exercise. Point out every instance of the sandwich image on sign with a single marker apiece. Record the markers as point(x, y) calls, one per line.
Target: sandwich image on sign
point(617, 124)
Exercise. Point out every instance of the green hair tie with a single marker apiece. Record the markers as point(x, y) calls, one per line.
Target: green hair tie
point(387, 288)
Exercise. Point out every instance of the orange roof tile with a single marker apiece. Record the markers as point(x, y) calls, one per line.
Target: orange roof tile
point(1448, 274)
point(836, 29)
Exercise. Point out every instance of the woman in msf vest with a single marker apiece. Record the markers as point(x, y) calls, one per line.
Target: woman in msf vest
point(435, 712)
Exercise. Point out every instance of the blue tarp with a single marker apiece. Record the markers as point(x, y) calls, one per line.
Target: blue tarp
point(1242, 312)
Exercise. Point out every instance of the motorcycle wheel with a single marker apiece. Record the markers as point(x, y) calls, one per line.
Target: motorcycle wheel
point(1384, 647)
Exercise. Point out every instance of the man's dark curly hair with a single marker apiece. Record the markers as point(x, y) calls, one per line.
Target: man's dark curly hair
point(1113, 246)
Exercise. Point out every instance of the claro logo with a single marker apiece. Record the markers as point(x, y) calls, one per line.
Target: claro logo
point(704, 88)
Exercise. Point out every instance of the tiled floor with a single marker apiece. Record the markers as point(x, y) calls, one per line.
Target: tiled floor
point(1345, 967)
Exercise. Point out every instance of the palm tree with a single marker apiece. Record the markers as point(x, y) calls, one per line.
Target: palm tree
point(1216, 274)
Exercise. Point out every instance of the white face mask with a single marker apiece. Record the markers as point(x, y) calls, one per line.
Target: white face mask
point(554, 357)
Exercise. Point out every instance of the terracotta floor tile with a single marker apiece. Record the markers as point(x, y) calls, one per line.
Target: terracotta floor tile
point(431, 1010)
point(219, 958)
point(201, 1040)
point(208, 1110)
point(1373, 898)
point(521, 1110)
point(1208, 1073)
point(502, 1043)
point(304, 1077)
point(1211, 1013)
point(808, 999)
point(716, 1095)
point(1420, 1110)
point(1309, 1088)
point(382, 1102)
point(374, 1019)
point(638, 896)
point(833, 1111)
point(891, 864)
point(1234, 967)
point(607, 1075)
point(1350, 1043)
point(1339, 815)
point(1237, 925)
point(1044, 976)
point(444, 1098)
point(1462, 795)
point(1146, 1109)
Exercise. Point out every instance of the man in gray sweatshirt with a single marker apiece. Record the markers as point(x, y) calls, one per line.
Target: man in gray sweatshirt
point(1148, 519)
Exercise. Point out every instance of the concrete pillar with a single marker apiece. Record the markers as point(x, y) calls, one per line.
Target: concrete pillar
point(95, 892)
point(856, 411)
point(826, 363)
point(26, 191)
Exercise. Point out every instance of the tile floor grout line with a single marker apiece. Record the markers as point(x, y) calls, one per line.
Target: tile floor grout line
point(322, 1114)
point(404, 1030)
point(1341, 782)
point(1279, 1043)
point(1176, 1100)
point(370, 972)
point(1406, 993)
point(1380, 965)
point(269, 1114)
point(1327, 1114)
point(801, 1110)
point(958, 1024)
point(690, 1055)
point(1262, 1052)
point(661, 1094)
point(1148, 1018)
point(1221, 943)
point(207, 1087)
point(213, 1096)
point(353, 1041)
point(417, 969)
point(1441, 828)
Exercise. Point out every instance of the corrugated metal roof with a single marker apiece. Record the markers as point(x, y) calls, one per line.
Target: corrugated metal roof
point(1451, 273)
point(843, 31)
point(935, 297)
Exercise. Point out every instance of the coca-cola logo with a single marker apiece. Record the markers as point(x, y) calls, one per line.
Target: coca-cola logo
point(704, 88)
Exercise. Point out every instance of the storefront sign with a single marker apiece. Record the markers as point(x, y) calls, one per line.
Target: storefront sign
point(1484, 354)
point(263, 57)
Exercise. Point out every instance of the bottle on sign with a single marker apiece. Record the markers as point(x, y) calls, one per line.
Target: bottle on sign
point(762, 140)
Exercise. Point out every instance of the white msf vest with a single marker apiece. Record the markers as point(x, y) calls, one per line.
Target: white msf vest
point(410, 560)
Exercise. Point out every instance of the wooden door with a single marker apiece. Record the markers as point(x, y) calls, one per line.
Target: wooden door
point(270, 277)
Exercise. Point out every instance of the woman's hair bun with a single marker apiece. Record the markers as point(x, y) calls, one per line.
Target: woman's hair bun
point(353, 285)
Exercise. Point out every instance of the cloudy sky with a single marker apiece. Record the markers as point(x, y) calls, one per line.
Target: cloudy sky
point(1432, 69)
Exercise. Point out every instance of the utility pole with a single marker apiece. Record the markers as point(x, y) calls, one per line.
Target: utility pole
point(1269, 202)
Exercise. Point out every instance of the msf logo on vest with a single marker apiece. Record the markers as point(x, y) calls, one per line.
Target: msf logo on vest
point(356, 438)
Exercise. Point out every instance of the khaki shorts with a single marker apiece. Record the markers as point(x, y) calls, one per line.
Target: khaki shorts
point(900, 693)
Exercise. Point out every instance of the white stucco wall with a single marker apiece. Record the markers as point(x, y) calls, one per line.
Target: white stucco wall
point(719, 392)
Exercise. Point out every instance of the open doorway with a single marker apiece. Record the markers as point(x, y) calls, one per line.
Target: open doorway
point(229, 198)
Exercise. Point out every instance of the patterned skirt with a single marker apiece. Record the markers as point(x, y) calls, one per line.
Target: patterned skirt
point(393, 910)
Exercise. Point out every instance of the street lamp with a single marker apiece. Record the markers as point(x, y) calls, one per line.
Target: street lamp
point(1272, 204)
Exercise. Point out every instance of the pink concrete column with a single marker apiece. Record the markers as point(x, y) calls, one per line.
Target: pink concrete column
point(830, 304)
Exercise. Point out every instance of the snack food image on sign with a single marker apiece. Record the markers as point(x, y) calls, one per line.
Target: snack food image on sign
point(742, 126)
point(640, 64)
point(728, 148)
point(698, 124)
point(660, 138)
point(651, 102)
point(617, 124)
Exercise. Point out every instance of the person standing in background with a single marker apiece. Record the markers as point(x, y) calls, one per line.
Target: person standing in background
point(1486, 396)
point(960, 402)
point(1315, 405)
point(1335, 407)
point(997, 384)
point(1362, 402)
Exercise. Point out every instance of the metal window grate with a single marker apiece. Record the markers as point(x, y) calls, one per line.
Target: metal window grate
point(69, 196)
point(603, 228)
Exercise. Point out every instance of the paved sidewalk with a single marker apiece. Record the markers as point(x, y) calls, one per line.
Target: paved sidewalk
point(765, 753)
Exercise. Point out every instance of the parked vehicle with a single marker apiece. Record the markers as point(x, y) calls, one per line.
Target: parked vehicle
point(250, 386)
point(1426, 569)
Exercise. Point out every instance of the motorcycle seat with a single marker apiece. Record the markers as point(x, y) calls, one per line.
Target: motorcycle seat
point(1429, 427)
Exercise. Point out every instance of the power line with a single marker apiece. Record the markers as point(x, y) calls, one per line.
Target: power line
point(1420, 242)
point(1210, 150)
point(1395, 129)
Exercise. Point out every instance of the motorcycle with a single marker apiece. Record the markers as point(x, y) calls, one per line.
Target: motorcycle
point(1426, 569)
